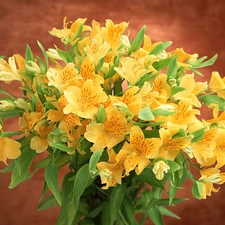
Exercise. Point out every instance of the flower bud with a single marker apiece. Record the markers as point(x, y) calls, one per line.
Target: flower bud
point(160, 167)
point(33, 67)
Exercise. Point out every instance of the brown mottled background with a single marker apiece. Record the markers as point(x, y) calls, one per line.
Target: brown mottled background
point(196, 25)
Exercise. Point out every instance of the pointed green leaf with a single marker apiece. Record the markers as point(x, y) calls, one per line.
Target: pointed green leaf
point(29, 54)
point(173, 166)
point(116, 199)
point(207, 63)
point(146, 114)
point(197, 189)
point(138, 40)
point(9, 168)
point(160, 47)
point(127, 211)
point(51, 178)
point(26, 158)
point(48, 203)
point(166, 212)
point(64, 55)
point(44, 53)
point(93, 161)
point(208, 99)
point(100, 115)
point(198, 135)
point(105, 213)
point(159, 65)
point(61, 147)
point(80, 183)
point(172, 67)
point(147, 176)
point(67, 200)
point(155, 215)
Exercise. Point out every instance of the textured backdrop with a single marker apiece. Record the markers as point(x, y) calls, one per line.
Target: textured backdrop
point(197, 26)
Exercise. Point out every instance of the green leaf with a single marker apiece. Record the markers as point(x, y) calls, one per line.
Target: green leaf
point(106, 217)
point(11, 133)
point(29, 55)
point(93, 161)
point(147, 176)
point(166, 212)
point(172, 67)
point(208, 99)
point(198, 135)
point(160, 47)
point(155, 215)
point(42, 65)
point(207, 63)
point(162, 63)
point(146, 114)
point(9, 168)
point(138, 40)
point(67, 201)
point(127, 211)
point(61, 147)
point(64, 55)
point(162, 112)
point(26, 158)
point(48, 203)
point(100, 115)
point(116, 199)
point(51, 178)
point(173, 166)
point(147, 77)
point(44, 53)
point(174, 202)
point(197, 189)
point(10, 113)
point(176, 89)
point(172, 190)
point(81, 180)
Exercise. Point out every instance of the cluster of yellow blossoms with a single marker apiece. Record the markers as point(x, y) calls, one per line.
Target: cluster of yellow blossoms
point(136, 103)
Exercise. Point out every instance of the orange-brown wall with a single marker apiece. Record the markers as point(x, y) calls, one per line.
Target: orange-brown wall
point(196, 25)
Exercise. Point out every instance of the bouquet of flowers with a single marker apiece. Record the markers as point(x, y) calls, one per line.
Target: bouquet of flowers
point(122, 115)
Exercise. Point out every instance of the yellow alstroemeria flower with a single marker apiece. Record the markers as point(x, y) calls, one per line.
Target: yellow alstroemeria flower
point(217, 84)
point(96, 50)
point(192, 89)
point(209, 177)
point(130, 98)
point(68, 34)
point(28, 121)
point(148, 95)
point(39, 143)
point(185, 114)
point(57, 115)
point(109, 133)
point(203, 150)
point(84, 101)
point(112, 33)
point(9, 149)
point(171, 146)
point(219, 151)
point(162, 87)
point(131, 69)
point(9, 71)
point(87, 71)
point(183, 57)
point(62, 78)
point(140, 150)
point(114, 168)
